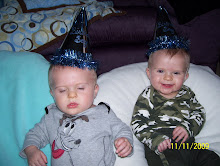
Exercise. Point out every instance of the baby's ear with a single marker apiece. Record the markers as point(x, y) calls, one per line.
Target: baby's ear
point(96, 90)
point(51, 92)
point(186, 76)
point(148, 72)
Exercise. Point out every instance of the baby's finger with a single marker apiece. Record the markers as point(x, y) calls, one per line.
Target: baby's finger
point(160, 148)
point(38, 163)
point(121, 145)
point(185, 138)
point(125, 151)
point(41, 163)
point(176, 132)
point(119, 141)
point(169, 144)
point(179, 138)
point(44, 157)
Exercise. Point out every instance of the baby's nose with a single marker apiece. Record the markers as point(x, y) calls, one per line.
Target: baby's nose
point(168, 77)
point(72, 94)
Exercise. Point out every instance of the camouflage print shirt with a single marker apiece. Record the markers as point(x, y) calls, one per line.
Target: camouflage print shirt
point(153, 112)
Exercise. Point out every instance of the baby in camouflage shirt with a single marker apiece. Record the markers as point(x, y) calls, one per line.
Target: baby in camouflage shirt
point(168, 115)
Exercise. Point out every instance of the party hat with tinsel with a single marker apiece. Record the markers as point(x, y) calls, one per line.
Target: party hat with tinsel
point(74, 51)
point(165, 36)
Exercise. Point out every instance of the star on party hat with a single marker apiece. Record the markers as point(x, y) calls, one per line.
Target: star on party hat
point(74, 50)
point(165, 36)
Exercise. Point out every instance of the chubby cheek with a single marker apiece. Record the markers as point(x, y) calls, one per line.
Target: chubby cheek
point(155, 81)
point(152, 75)
point(60, 102)
point(89, 99)
point(179, 83)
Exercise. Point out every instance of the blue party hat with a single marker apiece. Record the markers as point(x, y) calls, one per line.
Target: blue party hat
point(74, 50)
point(165, 36)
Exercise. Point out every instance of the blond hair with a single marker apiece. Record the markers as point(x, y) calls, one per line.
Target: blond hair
point(54, 67)
point(171, 53)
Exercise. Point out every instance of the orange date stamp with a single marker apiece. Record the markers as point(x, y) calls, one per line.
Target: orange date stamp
point(189, 146)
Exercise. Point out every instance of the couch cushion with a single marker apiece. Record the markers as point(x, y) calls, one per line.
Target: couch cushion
point(135, 26)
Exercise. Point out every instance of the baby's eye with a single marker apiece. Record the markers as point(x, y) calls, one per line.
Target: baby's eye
point(160, 71)
point(81, 88)
point(176, 73)
point(62, 90)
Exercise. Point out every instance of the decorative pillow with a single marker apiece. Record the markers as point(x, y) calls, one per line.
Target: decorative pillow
point(121, 87)
point(24, 95)
point(38, 5)
point(187, 10)
point(35, 31)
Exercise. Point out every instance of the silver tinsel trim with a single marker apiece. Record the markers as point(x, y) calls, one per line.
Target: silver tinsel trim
point(74, 58)
point(168, 42)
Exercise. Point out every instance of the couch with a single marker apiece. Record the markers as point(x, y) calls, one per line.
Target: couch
point(123, 38)
point(117, 40)
point(25, 94)
point(119, 30)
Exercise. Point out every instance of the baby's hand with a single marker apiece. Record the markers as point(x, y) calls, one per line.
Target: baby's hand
point(35, 156)
point(180, 133)
point(123, 147)
point(164, 145)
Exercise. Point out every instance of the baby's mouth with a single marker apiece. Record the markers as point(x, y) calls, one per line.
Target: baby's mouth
point(72, 105)
point(167, 85)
